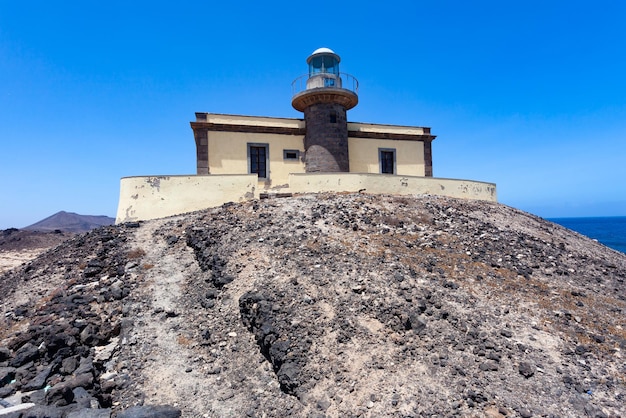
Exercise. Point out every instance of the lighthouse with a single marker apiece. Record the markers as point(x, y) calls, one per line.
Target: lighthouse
point(324, 95)
point(244, 157)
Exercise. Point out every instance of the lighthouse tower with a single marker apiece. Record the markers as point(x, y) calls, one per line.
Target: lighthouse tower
point(324, 95)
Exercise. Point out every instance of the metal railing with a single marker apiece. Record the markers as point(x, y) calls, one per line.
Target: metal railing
point(320, 80)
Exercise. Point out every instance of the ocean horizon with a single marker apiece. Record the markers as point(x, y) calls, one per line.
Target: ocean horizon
point(608, 230)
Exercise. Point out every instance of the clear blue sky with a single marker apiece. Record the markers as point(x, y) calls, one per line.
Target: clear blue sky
point(530, 95)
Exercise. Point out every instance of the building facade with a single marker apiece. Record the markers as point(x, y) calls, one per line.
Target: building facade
point(324, 141)
point(273, 148)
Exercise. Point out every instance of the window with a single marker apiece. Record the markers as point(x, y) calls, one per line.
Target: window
point(258, 159)
point(387, 158)
point(291, 154)
point(333, 117)
point(323, 64)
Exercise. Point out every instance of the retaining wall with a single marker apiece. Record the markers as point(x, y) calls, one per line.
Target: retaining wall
point(392, 184)
point(151, 197)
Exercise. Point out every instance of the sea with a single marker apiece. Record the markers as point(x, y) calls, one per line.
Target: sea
point(610, 230)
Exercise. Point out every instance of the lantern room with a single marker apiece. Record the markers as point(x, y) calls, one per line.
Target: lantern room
point(323, 69)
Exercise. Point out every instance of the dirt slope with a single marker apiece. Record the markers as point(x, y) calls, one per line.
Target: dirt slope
point(18, 246)
point(323, 305)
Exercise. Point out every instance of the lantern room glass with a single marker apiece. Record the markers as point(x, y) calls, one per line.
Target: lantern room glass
point(323, 64)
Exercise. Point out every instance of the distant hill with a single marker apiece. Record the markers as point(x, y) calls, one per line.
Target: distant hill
point(70, 222)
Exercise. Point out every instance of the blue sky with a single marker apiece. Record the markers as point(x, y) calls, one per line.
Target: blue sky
point(530, 95)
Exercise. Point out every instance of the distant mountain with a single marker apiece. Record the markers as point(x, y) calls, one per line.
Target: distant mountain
point(70, 222)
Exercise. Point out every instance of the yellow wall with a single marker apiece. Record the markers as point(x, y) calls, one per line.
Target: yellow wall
point(228, 150)
point(153, 197)
point(364, 156)
point(228, 154)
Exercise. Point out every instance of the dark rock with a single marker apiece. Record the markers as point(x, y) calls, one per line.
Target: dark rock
point(25, 372)
point(82, 397)
point(222, 279)
point(494, 356)
point(323, 404)
point(506, 333)
point(57, 341)
point(6, 375)
point(92, 271)
point(89, 413)
point(488, 366)
point(450, 285)
point(525, 413)
point(207, 303)
point(37, 397)
point(171, 313)
point(116, 293)
point(84, 380)
point(581, 349)
point(416, 324)
point(85, 366)
point(28, 352)
point(151, 411)
point(40, 411)
point(107, 386)
point(88, 335)
point(69, 364)
point(60, 394)
point(40, 379)
point(7, 391)
point(18, 341)
point(526, 369)
point(5, 354)
point(288, 375)
point(63, 393)
point(421, 305)
point(476, 396)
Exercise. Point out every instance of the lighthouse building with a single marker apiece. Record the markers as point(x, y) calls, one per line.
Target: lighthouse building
point(323, 142)
point(242, 157)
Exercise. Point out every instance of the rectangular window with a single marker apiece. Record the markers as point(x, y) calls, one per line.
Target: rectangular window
point(387, 158)
point(258, 159)
point(291, 154)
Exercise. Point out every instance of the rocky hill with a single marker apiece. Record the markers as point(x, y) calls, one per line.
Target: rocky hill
point(320, 306)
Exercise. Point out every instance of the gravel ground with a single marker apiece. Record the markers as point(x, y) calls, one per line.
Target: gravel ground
point(321, 306)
